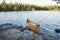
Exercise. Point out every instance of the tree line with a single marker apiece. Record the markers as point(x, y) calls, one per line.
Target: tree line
point(19, 7)
point(25, 7)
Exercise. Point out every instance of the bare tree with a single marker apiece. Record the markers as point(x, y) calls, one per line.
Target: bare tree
point(4, 1)
point(57, 1)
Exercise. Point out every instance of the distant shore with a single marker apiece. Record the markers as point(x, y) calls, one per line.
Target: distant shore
point(25, 7)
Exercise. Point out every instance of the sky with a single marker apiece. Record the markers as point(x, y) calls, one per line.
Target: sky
point(35, 2)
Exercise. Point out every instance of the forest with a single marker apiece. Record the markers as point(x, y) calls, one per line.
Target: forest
point(25, 7)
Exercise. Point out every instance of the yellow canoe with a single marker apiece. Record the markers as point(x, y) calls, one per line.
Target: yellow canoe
point(33, 26)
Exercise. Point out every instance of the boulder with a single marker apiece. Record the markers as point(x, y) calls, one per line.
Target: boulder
point(16, 34)
point(9, 26)
point(57, 30)
point(12, 34)
point(28, 35)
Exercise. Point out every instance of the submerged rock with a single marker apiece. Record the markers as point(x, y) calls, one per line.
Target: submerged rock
point(28, 35)
point(12, 34)
point(9, 26)
point(6, 24)
point(15, 32)
point(57, 30)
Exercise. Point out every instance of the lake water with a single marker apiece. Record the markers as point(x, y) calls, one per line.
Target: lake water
point(46, 19)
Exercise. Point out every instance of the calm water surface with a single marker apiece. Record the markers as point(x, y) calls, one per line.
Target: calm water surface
point(49, 19)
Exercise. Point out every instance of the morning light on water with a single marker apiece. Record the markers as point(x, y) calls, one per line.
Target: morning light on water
point(29, 19)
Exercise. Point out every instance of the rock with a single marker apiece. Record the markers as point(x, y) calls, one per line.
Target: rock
point(57, 30)
point(39, 37)
point(28, 35)
point(6, 24)
point(12, 34)
point(9, 26)
point(37, 25)
point(16, 34)
point(22, 29)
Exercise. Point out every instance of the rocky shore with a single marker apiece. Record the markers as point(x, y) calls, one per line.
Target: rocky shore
point(16, 32)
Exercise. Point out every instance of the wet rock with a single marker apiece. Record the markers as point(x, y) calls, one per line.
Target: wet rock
point(16, 34)
point(57, 30)
point(9, 26)
point(28, 35)
point(20, 38)
point(37, 25)
point(12, 34)
point(39, 37)
point(6, 24)
point(22, 29)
